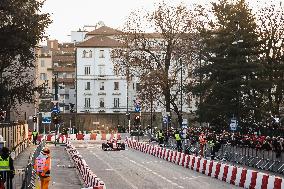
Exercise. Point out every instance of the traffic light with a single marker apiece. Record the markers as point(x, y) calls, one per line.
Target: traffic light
point(55, 119)
point(2, 115)
point(169, 119)
point(72, 107)
point(137, 120)
point(34, 119)
point(128, 116)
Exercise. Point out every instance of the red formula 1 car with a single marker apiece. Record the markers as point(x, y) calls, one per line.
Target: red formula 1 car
point(113, 144)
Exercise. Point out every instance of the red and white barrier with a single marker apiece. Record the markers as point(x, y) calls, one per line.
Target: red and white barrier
point(89, 178)
point(237, 176)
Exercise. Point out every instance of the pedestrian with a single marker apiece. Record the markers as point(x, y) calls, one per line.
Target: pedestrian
point(42, 166)
point(202, 143)
point(35, 135)
point(7, 170)
point(160, 137)
point(178, 141)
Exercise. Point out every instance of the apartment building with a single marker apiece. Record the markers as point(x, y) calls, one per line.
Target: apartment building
point(99, 87)
point(56, 63)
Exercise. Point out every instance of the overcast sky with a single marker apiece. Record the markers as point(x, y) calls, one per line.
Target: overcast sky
point(70, 15)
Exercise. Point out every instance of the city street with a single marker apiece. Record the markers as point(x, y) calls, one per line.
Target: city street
point(131, 169)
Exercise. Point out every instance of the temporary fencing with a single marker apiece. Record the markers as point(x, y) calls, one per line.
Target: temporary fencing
point(231, 174)
point(87, 175)
point(30, 173)
point(94, 136)
point(242, 155)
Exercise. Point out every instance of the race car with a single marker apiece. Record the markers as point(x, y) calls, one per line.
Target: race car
point(113, 144)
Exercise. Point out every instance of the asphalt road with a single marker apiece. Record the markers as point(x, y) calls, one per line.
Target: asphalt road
point(131, 169)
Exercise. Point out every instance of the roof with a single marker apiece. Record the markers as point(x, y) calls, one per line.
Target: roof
point(66, 80)
point(104, 30)
point(63, 58)
point(63, 69)
point(100, 41)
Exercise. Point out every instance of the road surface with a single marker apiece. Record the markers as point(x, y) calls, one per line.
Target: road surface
point(131, 169)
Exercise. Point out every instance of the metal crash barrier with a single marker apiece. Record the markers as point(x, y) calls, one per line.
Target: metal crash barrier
point(29, 172)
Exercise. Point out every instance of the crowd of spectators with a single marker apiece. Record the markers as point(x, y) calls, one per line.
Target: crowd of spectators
point(255, 141)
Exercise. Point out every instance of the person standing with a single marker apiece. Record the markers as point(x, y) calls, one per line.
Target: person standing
point(42, 166)
point(6, 168)
point(178, 141)
point(202, 143)
point(160, 137)
point(35, 135)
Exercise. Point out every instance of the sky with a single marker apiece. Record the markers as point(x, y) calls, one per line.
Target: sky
point(70, 15)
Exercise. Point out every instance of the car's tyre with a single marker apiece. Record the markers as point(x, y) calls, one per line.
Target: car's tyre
point(122, 146)
point(104, 147)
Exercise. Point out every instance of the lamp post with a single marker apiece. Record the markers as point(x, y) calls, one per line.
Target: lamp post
point(181, 92)
point(237, 42)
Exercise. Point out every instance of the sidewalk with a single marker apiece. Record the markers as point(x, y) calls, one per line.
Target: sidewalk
point(63, 174)
point(20, 163)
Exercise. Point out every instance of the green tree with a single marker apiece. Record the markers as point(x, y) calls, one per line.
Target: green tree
point(230, 67)
point(21, 29)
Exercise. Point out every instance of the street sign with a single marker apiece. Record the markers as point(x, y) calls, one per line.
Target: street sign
point(165, 119)
point(137, 105)
point(46, 117)
point(55, 109)
point(184, 123)
point(233, 124)
point(137, 109)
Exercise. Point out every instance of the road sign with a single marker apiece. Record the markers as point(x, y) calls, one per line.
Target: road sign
point(233, 124)
point(165, 119)
point(184, 123)
point(55, 109)
point(46, 117)
point(137, 109)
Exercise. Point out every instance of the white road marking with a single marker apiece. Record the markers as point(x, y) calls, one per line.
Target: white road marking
point(117, 172)
point(153, 172)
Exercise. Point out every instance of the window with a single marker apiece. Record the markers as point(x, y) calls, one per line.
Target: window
point(116, 85)
point(102, 86)
point(116, 102)
point(88, 86)
point(87, 102)
point(102, 54)
point(102, 103)
point(66, 96)
point(101, 70)
point(43, 76)
point(138, 87)
point(116, 70)
point(42, 63)
point(84, 54)
point(90, 54)
point(87, 70)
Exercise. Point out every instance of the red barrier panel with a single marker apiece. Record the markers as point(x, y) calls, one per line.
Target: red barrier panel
point(103, 136)
point(93, 136)
point(80, 137)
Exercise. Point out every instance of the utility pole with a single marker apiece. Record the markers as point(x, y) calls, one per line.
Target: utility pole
point(181, 92)
point(56, 105)
point(127, 96)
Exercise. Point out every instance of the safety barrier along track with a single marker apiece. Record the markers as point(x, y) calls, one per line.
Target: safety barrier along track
point(89, 178)
point(238, 176)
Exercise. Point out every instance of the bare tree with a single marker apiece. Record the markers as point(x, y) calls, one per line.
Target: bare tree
point(155, 56)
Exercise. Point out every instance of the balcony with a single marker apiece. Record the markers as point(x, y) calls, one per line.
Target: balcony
point(101, 93)
point(116, 93)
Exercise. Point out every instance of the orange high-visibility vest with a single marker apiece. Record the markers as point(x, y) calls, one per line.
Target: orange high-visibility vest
point(42, 165)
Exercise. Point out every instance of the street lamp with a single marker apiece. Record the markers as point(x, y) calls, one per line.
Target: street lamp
point(237, 42)
point(181, 91)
